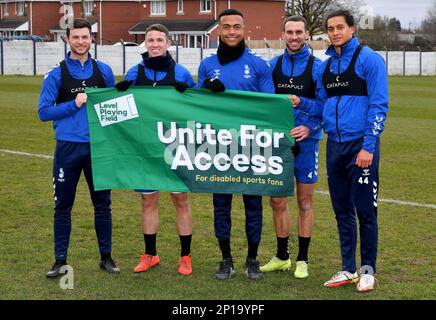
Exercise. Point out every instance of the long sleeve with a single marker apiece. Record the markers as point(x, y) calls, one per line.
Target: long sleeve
point(266, 82)
point(374, 71)
point(132, 74)
point(202, 75)
point(47, 108)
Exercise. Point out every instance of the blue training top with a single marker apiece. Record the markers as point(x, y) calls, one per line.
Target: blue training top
point(70, 123)
point(250, 72)
point(181, 74)
point(350, 117)
point(296, 63)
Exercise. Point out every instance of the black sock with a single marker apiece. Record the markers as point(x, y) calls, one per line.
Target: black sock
point(105, 256)
point(185, 244)
point(225, 248)
point(303, 248)
point(282, 248)
point(252, 250)
point(150, 244)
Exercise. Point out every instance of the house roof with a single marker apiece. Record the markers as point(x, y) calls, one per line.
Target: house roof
point(12, 24)
point(176, 25)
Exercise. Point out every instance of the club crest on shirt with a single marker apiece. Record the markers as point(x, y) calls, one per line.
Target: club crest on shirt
point(216, 73)
point(247, 72)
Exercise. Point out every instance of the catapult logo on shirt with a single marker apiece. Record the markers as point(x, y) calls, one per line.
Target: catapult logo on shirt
point(82, 88)
point(338, 83)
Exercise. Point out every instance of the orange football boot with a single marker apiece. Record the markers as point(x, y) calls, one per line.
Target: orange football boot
point(146, 262)
point(185, 267)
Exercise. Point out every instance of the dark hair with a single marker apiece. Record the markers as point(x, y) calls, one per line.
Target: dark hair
point(295, 19)
point(230, 12)
point(340, 13)
point(78, 24)
point(158, 27)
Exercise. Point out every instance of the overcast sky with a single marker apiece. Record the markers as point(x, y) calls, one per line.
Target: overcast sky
point(407, 11)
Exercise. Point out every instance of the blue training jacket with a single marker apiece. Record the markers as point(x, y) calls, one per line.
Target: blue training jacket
point(358, 116)
point(250, 72)
point(296, 64)
point(180, 72)
point(70, 123)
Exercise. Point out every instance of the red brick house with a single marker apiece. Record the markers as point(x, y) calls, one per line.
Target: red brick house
point(191, 22)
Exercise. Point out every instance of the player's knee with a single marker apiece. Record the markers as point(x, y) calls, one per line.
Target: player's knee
point(149, 204)
point(305, 205)
point(181, 201)
point(278, 204)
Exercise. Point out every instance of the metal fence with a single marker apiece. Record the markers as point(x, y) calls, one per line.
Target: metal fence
point(33, 58)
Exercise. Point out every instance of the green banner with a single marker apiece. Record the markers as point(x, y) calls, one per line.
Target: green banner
point(156, 138)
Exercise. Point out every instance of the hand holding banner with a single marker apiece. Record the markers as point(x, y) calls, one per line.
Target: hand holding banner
point(156, 138)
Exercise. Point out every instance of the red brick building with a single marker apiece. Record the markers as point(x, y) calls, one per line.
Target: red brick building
point(191, 22)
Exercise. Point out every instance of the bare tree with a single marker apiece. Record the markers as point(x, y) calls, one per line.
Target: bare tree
point(383, 35)
point(429, 24)
point(314, 11)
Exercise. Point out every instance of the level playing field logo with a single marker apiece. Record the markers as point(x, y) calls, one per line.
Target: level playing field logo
point(116, 110)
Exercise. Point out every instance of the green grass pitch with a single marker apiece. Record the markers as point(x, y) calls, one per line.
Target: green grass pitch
point(406, 260)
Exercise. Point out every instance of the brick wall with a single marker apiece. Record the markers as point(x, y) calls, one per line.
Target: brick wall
point(262, 18)
point(45, 16)
point(118, 18)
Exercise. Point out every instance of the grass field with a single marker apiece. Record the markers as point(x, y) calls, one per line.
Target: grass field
point(406, 261)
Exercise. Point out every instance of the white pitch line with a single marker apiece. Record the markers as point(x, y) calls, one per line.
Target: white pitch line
point(35, 155)
point(405, 203)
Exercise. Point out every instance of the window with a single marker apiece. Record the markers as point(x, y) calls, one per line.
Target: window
point(89, 8)
point(158, 8)
point(194, 41)
point(19, 8)
point(175, 39)
point(6, 8)
point(205, 5)
point(179, 6)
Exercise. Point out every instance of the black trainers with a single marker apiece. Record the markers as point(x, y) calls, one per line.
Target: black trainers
point(252, 269)
point(109, 266)
point(226, 269)
point(55, 271)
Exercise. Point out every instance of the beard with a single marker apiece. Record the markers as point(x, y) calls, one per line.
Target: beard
point(289, 47)
point(82, 52)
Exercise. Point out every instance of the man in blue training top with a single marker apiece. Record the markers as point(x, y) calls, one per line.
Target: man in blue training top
point(353, 84)
point(236, 67)
point(63, 101)
point(295, 73)
point(159, 69)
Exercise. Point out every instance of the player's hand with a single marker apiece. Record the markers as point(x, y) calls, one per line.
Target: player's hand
point(81, 99)
point(295, 100)
point(214, 84)
point(180, 86)
point(364, 159)
point(123, 85)
point(300, 133)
